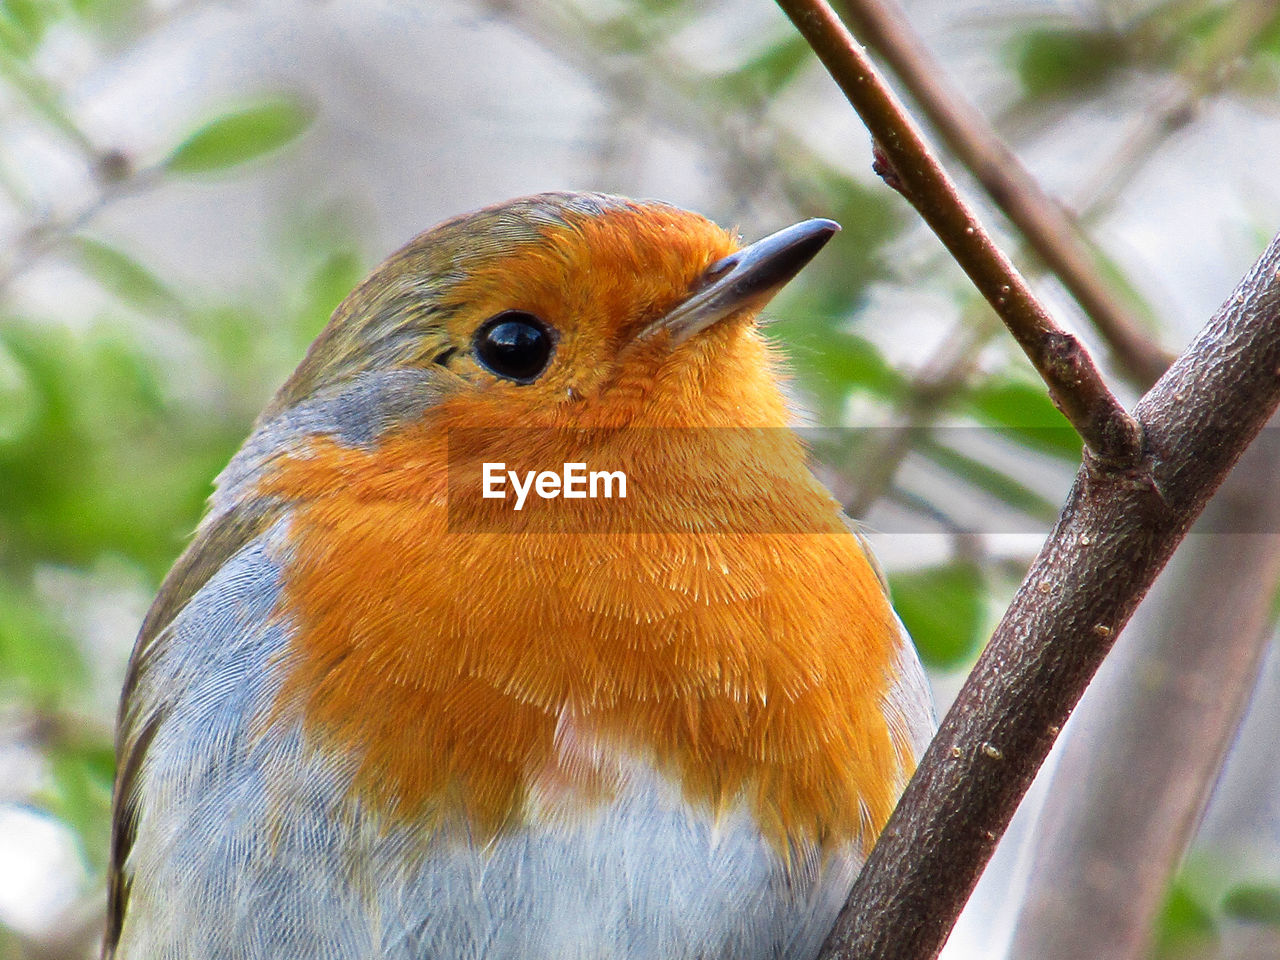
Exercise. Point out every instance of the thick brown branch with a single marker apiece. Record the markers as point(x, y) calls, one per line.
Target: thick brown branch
point(1048, 228)
point(1116, 531)
point(1151, 733)
point(1072, 378)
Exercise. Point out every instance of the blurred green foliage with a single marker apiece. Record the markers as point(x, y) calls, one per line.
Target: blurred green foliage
point(1253, 902)
point(1207, 900)
point(1066, 62)
point(1021, 409)
point(107, 454)
point(767, 72)
point(236, 137)
point(944, 609)
point(1185, 927)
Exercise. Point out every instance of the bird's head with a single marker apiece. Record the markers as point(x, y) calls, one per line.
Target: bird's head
point(567, 309)
point(546, 319)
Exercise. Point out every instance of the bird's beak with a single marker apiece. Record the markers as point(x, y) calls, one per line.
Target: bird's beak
point(748, 278)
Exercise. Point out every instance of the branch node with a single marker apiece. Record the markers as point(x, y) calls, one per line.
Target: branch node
point(113, 166)
point(883, 168)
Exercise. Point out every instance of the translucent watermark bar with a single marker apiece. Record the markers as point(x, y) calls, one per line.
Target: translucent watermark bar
point(964, 480)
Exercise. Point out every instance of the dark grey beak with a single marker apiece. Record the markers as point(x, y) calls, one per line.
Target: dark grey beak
point(748, 278)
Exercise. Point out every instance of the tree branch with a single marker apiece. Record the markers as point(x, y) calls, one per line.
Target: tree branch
point(1177, 684)
point(1048, 228)
point(1073, 380)
point(1116, 531)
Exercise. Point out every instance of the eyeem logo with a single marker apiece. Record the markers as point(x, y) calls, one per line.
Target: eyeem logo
point(574, 482)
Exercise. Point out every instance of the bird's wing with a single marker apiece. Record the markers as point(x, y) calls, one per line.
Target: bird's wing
point(219, 538)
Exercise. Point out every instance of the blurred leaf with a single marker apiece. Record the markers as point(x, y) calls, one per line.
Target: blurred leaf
point(1259, 77)
point(1000, 485)
point(1258, 71)
point(812, 315)
point(11, 946)
point(125, 277)
point(1253, 903)
point(659, 7)
point(113, 17)
point(642, 28)
point(1191, 36)
point(1024, 412)
point(1183, 924)
point(239, 137)
point(23, 24)
point(1203, 21)
point(14, 41)
point(102, 468)
point(1203, 43)
point(1118, 279)
point(33, 16)
point(848, 363)
point(1267, 40)
point(1066, 62)
point(944, 610)
point(869, 218)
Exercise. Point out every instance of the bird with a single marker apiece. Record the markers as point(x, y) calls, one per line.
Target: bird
point(375, 711)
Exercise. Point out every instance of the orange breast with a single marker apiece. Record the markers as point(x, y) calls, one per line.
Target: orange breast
point(746, 665)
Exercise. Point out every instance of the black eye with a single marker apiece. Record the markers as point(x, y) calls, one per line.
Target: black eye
point(514, 345)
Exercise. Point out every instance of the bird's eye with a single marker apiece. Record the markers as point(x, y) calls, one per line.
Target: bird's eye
point(514, 345)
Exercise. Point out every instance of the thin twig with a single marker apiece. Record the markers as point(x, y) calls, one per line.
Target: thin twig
point(44, 237)
point(1208, 71)
point(677, 95)
point(45, 102)
point(1115, 533)
point(1073, 380)
point(942, 377)
point(111, 170)
point(1049, 229)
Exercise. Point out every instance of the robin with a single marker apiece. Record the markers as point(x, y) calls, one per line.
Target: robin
point(378, 712)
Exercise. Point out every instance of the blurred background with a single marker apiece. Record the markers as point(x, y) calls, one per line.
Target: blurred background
point(189, 187)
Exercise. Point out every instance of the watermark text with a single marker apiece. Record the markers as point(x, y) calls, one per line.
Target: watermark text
point(573, 482)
